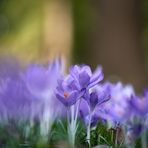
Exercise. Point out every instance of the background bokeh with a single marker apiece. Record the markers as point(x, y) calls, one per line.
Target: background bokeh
point(111, 33)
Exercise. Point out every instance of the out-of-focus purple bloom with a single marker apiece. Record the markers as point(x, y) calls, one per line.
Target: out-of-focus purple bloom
point(14, 96)
point(139, 107)
point(134, 130)
point(41, 82)
point(117, 108)
point(76, 84)
point(139, 104)
point(15, 100)
point(29, 94)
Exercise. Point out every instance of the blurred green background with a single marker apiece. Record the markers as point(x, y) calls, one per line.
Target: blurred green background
point(111, 33)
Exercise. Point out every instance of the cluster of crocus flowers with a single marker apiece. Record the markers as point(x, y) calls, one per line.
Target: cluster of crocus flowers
point(27, 94)
point(115, 104)
point(77, 84)
point(43, 93)
point(77, 88)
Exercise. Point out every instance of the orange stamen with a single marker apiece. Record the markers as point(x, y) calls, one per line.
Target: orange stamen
point(66, 94)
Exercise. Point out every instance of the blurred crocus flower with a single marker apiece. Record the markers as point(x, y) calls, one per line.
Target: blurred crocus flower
point(117, 108)
point(139, 121)
point(28, 94)
point(140, 104)
point(13, 93)
point(41, 82)
point(75, 85)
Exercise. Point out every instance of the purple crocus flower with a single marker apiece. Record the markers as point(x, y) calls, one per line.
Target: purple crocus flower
point(14, 96)
point(29, 94)
point(41, 82)
point(77, 83)
point(117, 109)
point(93, 106)
point(15, 100)
point(67, 92)
point(41, 79)
point(139, 104)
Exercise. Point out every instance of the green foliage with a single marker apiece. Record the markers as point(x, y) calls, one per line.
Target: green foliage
point(14, 135)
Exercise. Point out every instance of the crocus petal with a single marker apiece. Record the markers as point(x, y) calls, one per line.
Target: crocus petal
point(70, 100)
point(74, 71)
point(84, 108)
point(62, 99)
point(93, 99)
point(87, 69)
point(103, 97)
point(96, 77)
point(84, 79)
point(73, 98)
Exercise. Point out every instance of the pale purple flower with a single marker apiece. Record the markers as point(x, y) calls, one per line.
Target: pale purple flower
point(75, 85)
point(15, 100)
point(28, 94)
point(117, 108)
point(41, 82)
point(139, 104)
point(14, 96)
point(93, 106)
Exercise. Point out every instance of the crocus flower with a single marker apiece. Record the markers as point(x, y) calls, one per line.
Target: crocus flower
point(139, 121)
point(139, 104)
point(117, 108)
point(41, 82)
point(93, 106)
point(28, 94)
point(75, 85)
point(15, 100)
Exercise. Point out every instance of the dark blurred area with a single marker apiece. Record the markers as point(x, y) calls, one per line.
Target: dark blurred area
point(113, 34)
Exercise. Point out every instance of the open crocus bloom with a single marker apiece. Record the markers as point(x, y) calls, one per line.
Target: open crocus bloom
point(67, 91)
point(93, 106)
point(75, 85)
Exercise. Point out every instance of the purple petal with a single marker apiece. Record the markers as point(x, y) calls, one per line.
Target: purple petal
point(84, 79)
point(87, 69)
point(70, 100)
point(84, 108)
point(97, 77)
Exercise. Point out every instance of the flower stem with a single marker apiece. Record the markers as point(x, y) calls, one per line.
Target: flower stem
point(116, 137)
point(88, 130)
point(128, 142)
point(72, 122)
point(144, 140)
